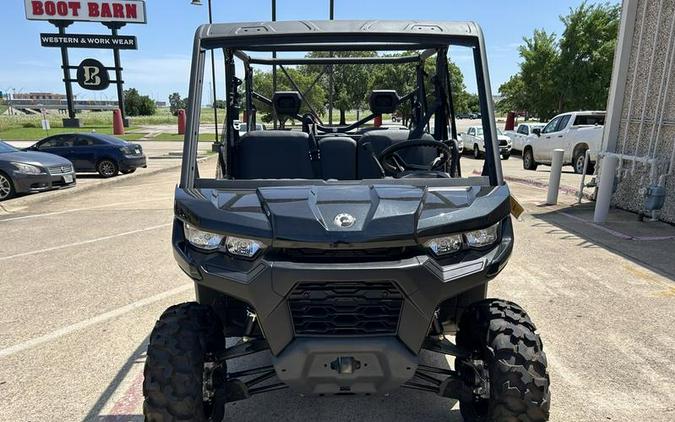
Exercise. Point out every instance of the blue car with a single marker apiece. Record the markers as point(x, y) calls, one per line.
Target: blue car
point(93, 152)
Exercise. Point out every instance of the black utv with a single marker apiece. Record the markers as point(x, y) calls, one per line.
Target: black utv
point(342, 251)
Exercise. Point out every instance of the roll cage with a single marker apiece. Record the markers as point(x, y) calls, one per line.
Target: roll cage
point(428, 39)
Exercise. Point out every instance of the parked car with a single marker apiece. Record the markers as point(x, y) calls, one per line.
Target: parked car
point(93, 152)
point(522, 132)
point(243, 127)
point(575, 133)
point(474, 142)
point(25, 172)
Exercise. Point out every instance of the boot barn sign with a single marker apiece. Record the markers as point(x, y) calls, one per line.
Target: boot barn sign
point(123, 11)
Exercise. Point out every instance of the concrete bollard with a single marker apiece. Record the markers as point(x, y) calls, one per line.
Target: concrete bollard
point(118, 123)
point(554, 179)
point(605, 187)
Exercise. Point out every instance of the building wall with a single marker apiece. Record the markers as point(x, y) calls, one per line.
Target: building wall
point(643, 95)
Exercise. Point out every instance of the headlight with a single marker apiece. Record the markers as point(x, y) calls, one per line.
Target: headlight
point(202, 239)
point(27, 168)
point(247, 248)
point(482, 237)
point(445, 245)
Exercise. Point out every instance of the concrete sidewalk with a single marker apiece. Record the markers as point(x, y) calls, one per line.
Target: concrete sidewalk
point(649, 244)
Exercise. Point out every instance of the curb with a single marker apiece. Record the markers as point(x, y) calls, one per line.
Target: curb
point(20, 203)
point(564, 189)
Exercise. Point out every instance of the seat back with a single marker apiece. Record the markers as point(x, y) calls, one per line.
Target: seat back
point(272, 154)
point(338, 157)
point(379, 140)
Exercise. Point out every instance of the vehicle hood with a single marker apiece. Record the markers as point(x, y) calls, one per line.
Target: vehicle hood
point(42, 159)
point(302, 215)
point(503, 138)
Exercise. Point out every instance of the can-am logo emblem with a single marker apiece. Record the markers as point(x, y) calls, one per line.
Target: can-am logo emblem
point(344, 220)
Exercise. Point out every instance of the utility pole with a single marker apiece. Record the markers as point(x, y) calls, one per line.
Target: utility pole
point(330, 75)
point(274, 66)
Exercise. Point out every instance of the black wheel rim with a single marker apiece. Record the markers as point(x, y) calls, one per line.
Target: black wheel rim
point(580, 164)
point(107, 168)
point(5, 187)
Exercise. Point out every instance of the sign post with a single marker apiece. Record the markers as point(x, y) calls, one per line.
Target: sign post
point(91, 74)
point(114, 27)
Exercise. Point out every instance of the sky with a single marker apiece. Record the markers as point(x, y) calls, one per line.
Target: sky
point(161, 64)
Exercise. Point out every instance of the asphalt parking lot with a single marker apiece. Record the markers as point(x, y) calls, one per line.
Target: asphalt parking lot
point(84, 277)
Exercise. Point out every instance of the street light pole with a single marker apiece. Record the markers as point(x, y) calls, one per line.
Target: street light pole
point(330, 75)
point(274, 67)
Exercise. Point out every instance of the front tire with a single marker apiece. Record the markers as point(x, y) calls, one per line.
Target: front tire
point(180, 355)
point(476, 152)
point(506, 156)
point(7, 190)
point(107, 168)
point(500, 334)
point(528, 160)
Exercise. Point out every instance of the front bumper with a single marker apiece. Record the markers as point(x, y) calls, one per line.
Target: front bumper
point(307, 363)
point(29, 183)
point(130, 162)
point(505, 149)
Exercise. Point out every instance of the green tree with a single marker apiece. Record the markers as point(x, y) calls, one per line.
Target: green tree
point(513, 93)
point(350, 81)
point(587, 55)
point(176, 103)
point(138, 105)
point(403, 78)
point(262, 84)
point(539, 73)
point(573, 73)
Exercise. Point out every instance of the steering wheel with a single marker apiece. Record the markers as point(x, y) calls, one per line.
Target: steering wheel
point(393, 164)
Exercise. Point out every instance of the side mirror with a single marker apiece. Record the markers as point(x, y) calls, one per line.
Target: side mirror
point(536, 131)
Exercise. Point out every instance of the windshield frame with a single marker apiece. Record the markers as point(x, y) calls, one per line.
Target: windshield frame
point(336, 36)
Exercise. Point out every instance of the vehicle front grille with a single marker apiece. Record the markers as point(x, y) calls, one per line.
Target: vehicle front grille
point(503, 143)
point(60, 169)
point(345, 308)
point(345, 255)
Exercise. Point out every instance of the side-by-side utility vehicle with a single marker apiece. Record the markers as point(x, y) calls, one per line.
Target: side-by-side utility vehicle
point(342, 252)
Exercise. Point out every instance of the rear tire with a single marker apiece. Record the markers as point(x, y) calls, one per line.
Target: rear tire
point(107, 168)
point(7, 190)
point(476, 152)
point(502, 335)
point(528, 160)
point(182, 342)
point(578, 163)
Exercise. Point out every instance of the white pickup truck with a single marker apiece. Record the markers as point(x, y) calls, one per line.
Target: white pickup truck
point(522, 132)
point(575, 133)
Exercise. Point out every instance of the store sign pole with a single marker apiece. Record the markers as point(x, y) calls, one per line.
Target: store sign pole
point(91, 74)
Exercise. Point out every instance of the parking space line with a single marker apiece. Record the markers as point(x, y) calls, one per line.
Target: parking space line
point(34, 342)
point(49, 214)
point(84, 242)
